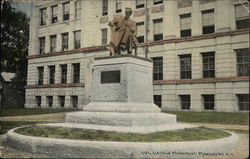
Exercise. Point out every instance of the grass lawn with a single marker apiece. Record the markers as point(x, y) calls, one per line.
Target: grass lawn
point(212, 117)
point(31, 111)
point(167, 136)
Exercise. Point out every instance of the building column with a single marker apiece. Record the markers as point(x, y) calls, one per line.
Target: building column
point(196, 62)
point(196, 22)
point(69, 73)
point(43, 101)
point(196, 102)
point(60, 12)
point(47, 44)
point(57, 74)
point(48, 20)
point(71, 40)
point(58, 42)
point(170, 20)
point(72, 10)
point(33, 31)
point(222, 20)
point(46, 75)
point(67, 101)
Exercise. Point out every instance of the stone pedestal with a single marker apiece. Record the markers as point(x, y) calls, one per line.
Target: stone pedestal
point(122, 94)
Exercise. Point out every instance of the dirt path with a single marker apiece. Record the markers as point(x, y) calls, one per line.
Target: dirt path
point(54, 117)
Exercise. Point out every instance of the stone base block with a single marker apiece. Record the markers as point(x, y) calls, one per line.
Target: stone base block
point(121, 119)
point(121, 107)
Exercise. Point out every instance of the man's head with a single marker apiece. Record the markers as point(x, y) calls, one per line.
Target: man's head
point(128, 12)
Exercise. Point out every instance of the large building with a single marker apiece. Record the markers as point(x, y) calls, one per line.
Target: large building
point(199, 48)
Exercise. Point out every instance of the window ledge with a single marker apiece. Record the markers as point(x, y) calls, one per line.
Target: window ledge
point(55, 85)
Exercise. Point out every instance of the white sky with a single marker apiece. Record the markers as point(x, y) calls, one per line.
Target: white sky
point(24, 6)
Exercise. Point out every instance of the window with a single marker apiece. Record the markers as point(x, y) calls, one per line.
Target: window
point(158, 2)
point(63, 73)
point(38, 101)
point(54, 10)
point(185, 22)
point(208, 65)
point(186, 66)
point(208, 102)
point(61, 101)
point(157, 68)
point(242, 16)
point(40, 75)
point(158, 35)
point(65, 11)
point(104, 7)
point(53, 43)
point(208, 21)
point(78, 8)
point(42, 45)
point(185, 101)
point(76, 73)
point(65, 40)
point(139, 4)
point(77, 39)
point(49, 101)
point(242, 61)
point(51, 74)
point(118, 6)
point(140, 31)
point(243, 101)
point(104, 36)
point(43, 16)
point(157, 100)
point(74, 101)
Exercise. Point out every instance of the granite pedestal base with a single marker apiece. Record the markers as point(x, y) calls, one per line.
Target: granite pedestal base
point(122, 95)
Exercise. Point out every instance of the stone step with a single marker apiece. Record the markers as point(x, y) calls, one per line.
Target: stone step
point(121, 107)
point(120, 119)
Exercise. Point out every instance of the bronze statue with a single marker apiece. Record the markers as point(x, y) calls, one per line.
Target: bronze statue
point(123, 31)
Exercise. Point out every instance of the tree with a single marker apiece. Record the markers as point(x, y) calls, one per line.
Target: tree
point(14, 44)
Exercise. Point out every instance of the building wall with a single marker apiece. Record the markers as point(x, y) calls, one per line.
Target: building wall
point(223, 42)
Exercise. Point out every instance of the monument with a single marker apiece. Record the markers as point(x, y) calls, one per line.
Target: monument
point(122, 86)
point(121, 101)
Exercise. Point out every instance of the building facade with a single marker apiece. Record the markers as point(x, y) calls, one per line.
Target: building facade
point(199, 49)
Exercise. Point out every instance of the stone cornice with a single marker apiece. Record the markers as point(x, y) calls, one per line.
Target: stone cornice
point(120, 56)
point(203, 80)
point(55, 85)
point(160, 42)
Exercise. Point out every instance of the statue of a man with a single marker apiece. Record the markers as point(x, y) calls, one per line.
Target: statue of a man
point(123, 31)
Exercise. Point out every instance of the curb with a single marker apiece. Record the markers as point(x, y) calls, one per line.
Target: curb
point(66, 148)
